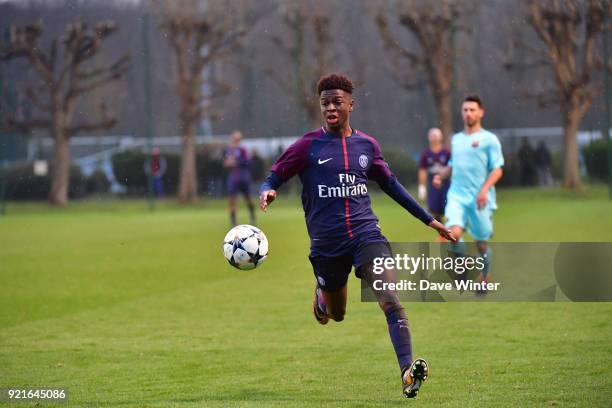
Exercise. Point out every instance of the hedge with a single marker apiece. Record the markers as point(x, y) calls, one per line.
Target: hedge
point(23, 184)
point(596, 159)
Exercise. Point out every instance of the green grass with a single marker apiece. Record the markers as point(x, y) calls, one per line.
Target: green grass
point(125, 307)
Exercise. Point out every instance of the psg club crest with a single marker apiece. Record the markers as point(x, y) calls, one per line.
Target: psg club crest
point(363, 161)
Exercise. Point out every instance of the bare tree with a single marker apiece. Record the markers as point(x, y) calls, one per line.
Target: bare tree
point(308, 48)
point(568, 30)
point(62, 81)
point(199, 35)
point(433, 25)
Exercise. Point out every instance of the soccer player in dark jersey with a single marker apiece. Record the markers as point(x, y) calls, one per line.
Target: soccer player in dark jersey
point(334, 164)
point(236, 159)
point(433, 160)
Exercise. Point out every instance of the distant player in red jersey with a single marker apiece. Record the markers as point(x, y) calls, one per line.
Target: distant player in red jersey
point(156, 166)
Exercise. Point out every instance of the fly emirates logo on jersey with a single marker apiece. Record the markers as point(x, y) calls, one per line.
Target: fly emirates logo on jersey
point(347, 188)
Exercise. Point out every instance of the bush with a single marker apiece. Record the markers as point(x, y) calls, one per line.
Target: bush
point(97, 183)
point(596, 159)
point(259, 167)
point(512, 171)
point(210, 171)
point(171, 177)
point(23, 184)
point(129, 170)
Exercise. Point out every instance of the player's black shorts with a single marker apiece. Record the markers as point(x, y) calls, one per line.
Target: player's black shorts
point(332, 272)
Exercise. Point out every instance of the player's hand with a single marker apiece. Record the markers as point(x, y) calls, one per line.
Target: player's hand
point(436, 181)
point(444, 232)
point(422, 192)
point(265, 198)
point(482, 198)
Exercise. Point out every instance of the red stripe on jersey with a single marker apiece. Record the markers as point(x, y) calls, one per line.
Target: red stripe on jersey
point(347, 209)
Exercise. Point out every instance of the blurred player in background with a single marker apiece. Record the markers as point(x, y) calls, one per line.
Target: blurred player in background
point(433, 160)
point(543, 162)
point(236, 159)
point(156, 166)
point(334, 164)
point(527, 164)
point(475, 168)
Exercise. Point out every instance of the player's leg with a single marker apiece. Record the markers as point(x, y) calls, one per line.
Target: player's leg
point(231, 203)
point(455, 218)
point(413, 373)
point(456, 221)
point(335, 303)
point(158, 186)
point(331, 290)
point(232, 192)
point(481, 229)
point(232, 210)
point(249, 202)
point(436, 203)
point(484, 251)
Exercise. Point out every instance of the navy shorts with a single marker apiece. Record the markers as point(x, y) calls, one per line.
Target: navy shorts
point(436, 198)
point(332, 272)
point(238, 185)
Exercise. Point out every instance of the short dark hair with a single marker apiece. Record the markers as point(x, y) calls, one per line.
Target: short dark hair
point(474, 98)
point(335, 81)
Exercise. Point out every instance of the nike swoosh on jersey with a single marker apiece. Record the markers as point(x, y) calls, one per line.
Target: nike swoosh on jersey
point(324, 161)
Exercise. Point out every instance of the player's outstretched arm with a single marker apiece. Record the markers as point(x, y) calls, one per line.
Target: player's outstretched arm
point(267, 191)
point(444, 232)
point(395, 190)
point(290, 163)
point(266, 198)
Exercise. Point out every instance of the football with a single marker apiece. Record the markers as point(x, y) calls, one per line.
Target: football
point(245, 247)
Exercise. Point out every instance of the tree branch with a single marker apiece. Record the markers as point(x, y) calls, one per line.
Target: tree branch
point(120, 65)
point(392, 45)
point(30, 124)
point(90, 126)
point(33, 97)
point(544, 98)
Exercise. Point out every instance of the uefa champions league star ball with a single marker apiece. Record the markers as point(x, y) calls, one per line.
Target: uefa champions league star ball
point(245, 247)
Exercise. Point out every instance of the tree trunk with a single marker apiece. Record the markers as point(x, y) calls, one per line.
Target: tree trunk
point(440, 88)
point(188, 182)
point(571, 175)
point(61, 168)
point(445, 117)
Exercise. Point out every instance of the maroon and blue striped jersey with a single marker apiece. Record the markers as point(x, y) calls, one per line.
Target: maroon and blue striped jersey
point(240, 170)
point(334, 172)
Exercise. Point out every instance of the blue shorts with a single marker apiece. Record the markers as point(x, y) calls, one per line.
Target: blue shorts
point(332, 272)
point(477, 222)
point(238, 185)
point(436, 198)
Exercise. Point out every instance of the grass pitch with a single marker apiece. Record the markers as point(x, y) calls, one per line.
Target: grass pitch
point(130, 308)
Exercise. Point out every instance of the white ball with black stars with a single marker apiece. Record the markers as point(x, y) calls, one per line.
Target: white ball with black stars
point(245, 247)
